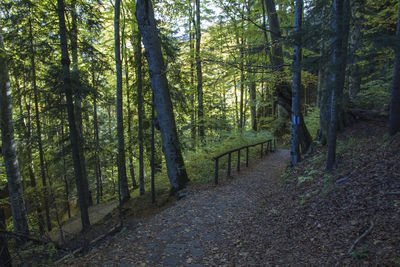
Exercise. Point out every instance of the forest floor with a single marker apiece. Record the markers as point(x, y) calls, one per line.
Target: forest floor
point(305, 216)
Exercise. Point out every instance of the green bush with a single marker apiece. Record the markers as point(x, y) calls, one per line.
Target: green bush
point(373, 96)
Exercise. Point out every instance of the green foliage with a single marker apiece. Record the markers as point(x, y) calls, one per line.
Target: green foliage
point(312, 120)
point(346, 145)
point(328, 185)
point(42, 254)
point(375, 95)
point(302, 179)
point(360, 252)
point(199, 164)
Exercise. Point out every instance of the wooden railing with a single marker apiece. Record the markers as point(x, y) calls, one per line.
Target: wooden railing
point(271, 145)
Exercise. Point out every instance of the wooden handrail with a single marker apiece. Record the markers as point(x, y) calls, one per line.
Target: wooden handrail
point(271, 145)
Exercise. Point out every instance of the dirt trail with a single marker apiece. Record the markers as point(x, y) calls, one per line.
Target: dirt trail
point(208, 227)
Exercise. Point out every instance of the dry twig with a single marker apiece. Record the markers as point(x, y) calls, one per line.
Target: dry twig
point(361, 237)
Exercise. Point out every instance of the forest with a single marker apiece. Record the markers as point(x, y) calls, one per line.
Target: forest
point(113, 113)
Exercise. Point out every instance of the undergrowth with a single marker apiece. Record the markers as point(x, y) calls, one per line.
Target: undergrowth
point(199, 164)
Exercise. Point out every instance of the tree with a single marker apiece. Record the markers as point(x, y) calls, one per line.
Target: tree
point(294, 146)
point(122, 179)
point(282, 89)
point(8, 148)
point(76, 82)
point(159, 84)
point(334, 78)
point(74, 135)
point(395, 100)
point(199, 71)
point(140, 107)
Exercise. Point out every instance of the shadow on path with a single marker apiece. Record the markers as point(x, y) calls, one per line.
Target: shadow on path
point(205, 228)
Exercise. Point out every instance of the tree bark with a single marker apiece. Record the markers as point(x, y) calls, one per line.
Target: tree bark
point(123, 181)
point(335, 78)
point(130, 134)
point(253, 107)
point(8, 148)
point(192, 23)
point(282, 89)
point(66, 184)
point(78, 95)
point(274, 27)
point(74, 134)
point(294, 145)
point(97, 161)
point(199, 72)
point(394, 125)
point(139, 83)
point(266, 39)
point(355, 69)
point(162, 100)
point(152, 163)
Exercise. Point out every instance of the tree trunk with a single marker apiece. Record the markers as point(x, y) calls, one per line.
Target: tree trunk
point(162, 100)
point(355, 69)
point(294, 145)
point(236, 105)
point(97, 162)
point(241, 104)
point(139, 83)
point(152, 164)
point(274, 27)
point(8, 148)
point(253, 106)
point(123, 181)
point(191, 23)
point(266, 39)
point(78, 95)
point(199, 71)
point(394, 125)
point(335, 78)
point(342, 98)
point(130, 134)
point(66, 184)
point(74, 134)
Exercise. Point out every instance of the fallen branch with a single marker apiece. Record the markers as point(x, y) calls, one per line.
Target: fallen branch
point(361, 237)
point(344, 179)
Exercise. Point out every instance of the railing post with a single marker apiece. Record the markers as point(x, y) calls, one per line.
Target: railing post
point(229, 164)
point(216, 172)
point(247, 156)
point(238, 163)
point(262, 147)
